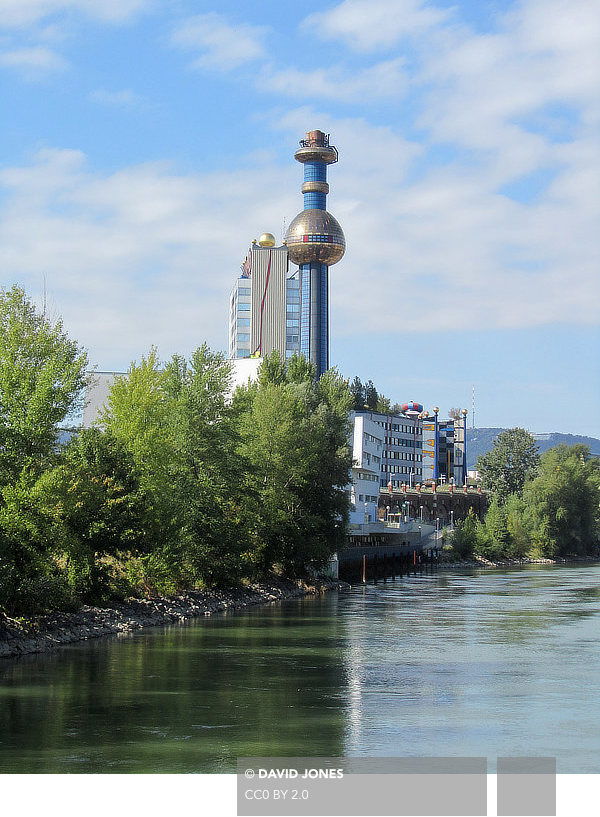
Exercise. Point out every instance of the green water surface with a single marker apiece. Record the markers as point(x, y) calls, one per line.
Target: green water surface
point(493, 663)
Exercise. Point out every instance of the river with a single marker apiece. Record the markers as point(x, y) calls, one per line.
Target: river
point(463, 663)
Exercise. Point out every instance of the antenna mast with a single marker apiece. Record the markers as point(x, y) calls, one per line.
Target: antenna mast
point(473, 414)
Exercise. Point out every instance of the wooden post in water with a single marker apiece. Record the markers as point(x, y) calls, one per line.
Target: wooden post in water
point(364, 578)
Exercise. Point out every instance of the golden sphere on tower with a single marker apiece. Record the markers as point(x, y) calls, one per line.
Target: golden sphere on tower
point(266, 240)
point(315, 236)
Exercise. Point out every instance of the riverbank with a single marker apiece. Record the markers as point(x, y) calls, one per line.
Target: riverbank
point(480, 561)
point(58, 629)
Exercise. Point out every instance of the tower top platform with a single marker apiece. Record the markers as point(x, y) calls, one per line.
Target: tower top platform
point(315, 147)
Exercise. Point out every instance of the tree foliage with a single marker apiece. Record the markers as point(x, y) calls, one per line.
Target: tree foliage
point(564, 501)
point(295, 438)
point(511, 462)
point(556, 514)
point(42, 377)
point(366, 396)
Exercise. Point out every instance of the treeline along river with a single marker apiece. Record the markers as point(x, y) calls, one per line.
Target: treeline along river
point(464, 663)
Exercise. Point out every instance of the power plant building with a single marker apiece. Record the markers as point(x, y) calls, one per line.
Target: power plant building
point(315, 241)
point(272, 308)
point(269, 307)
point(264, 305)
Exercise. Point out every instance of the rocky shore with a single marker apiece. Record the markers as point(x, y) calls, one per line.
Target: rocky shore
point(58, 629)
point(480, 561)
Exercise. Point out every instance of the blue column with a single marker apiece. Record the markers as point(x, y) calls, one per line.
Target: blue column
point(435, 449)
point(314, 324)
point(305, 310)
point(465, 449)
point(315, 172)
point(324, 328)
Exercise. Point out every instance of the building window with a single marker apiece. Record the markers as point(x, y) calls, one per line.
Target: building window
point(243, 307)
point(292, 324)
point(243, 336)
point(243, 291)
point(243, 322)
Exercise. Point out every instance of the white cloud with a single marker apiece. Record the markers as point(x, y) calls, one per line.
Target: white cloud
point(222, 45)
point(385, 79)
point(33, 62)
point(17, 13)
point(369, 25)
point(484, 85)
point(118, 99)
point(433, 241)
point(446, 250)
point(33, 24)
point(141, 256)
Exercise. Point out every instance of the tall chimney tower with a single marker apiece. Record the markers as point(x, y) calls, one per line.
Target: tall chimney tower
point(315, 241)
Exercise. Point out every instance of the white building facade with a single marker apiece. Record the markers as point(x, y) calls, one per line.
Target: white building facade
point(402, 452)
point(264, 305)
point(367, 448)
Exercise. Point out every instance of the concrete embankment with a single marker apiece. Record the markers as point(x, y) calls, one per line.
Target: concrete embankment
point(58, 629)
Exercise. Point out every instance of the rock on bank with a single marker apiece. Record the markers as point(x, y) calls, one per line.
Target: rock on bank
point(57, 629)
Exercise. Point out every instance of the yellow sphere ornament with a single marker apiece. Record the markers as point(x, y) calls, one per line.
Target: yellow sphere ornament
point(266, 240)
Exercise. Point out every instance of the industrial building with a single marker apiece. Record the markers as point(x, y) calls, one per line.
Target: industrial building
point(416, 446)
point(271, 308)
point(367, 450)
point(315, 241)
point(264, 305)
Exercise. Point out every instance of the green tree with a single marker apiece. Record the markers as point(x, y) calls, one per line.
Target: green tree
point(100, 514)
point(138, 413)
point(295, 437)
point(357, 390)
point(272, 369)
point(511, 462)
point(299, 369)
point(42, 377)
point(371, 396)
point(494, 537)
point(31, 579)
point(207, 470)
point(519, 525)
point(181, 430)
point(563, 501)
point(384, 405)
point(465, 538)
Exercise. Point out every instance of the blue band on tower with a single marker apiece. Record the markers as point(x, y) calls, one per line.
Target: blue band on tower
point(315, 172)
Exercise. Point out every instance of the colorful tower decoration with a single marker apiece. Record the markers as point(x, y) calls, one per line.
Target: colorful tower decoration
point(315, 241)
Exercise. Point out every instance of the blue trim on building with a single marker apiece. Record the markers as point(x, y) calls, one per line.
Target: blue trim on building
point(315, 172)
point(305, 310)
point(315, 201)
point(323, 321)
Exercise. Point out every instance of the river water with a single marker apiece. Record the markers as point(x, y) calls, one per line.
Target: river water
point(465, 663)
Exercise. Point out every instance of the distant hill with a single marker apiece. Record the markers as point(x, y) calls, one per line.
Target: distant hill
point(480, 441)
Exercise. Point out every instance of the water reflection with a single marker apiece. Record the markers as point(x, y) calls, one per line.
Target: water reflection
point(489, 663)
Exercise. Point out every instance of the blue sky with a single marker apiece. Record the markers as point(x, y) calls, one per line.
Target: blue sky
point(145, 143)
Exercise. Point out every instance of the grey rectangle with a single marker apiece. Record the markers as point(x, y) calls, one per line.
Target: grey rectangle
point(346, 787)
point(526, 787)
